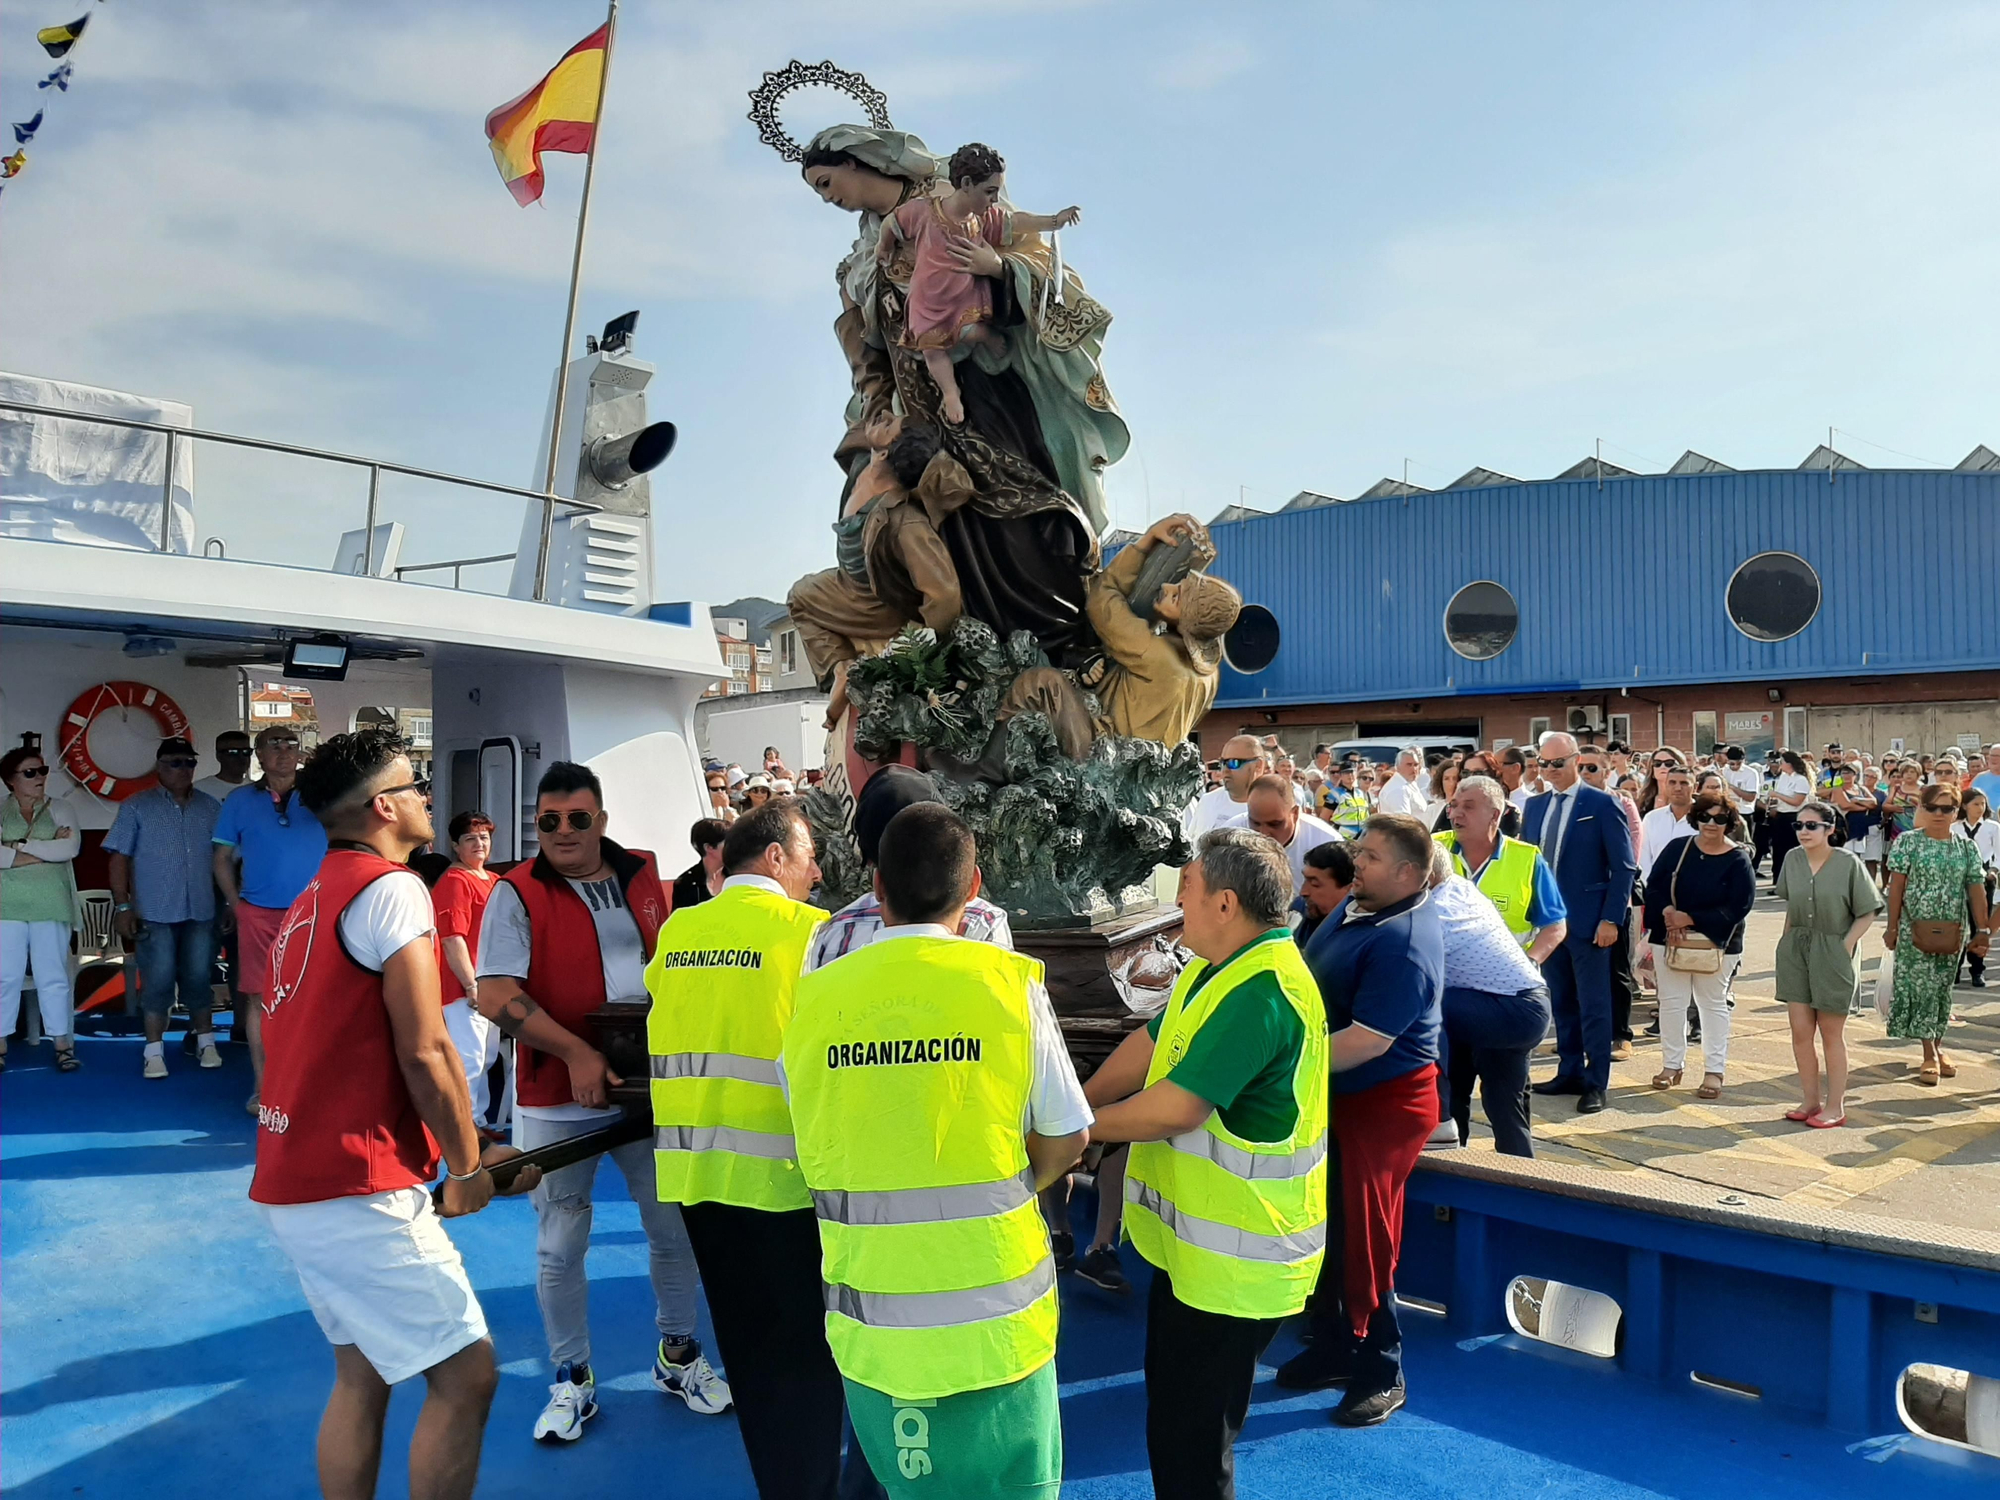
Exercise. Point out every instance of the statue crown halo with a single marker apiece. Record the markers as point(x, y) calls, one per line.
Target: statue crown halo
point(766, 97)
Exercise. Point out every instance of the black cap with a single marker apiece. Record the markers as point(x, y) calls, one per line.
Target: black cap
point(887, 793)
point(173, 744)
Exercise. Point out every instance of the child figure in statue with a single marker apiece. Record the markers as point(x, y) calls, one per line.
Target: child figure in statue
point(948, 306)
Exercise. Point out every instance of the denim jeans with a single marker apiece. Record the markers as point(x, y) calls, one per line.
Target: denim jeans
point(176, 954)
point(563, 1215)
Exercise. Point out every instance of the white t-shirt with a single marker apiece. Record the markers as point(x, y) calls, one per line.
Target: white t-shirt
point(1747, 782)
point(506, 939)
point(1211, 810)
point(1056, 1105)
point(1791, 784)
point(1519, 797)
point(216, 787)
point(1657, 829)
point(386, 918)
point(1479, 952)
point(1310, 834)
point(1401, 795)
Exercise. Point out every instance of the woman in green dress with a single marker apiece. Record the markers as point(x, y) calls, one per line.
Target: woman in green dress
point(1829, 903)
point(1933, 877)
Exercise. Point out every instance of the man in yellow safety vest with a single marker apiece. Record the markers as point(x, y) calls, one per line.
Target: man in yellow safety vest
point(1226, 1094)
point(724, 980)
point(1510, 873)
point(932, 1098)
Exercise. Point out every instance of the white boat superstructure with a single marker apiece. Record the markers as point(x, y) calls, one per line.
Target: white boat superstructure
point(594, 670)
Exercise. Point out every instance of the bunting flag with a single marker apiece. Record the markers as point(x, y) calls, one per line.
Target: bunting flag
point(58, 80)
point(25, 131)
point(13, 166)
point(57, 40)
point(557, 114)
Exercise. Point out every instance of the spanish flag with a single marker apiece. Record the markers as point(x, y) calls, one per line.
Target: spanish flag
point(57, 40)
point(557, 114)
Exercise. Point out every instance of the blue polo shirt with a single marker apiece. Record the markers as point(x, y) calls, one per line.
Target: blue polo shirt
point(280, 847)
point(1383, 970)
point(172, 853)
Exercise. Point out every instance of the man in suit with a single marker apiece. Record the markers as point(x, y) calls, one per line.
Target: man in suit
point(1583, 835)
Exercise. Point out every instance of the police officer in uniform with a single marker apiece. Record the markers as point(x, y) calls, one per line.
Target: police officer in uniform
point(724, 980)
point(1225, 1093)
point(932, 1099)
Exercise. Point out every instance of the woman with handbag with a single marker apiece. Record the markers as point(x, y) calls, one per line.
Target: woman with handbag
point(1699, 893)
point(1829, 903)
point(39, 840)
point(1936, 882)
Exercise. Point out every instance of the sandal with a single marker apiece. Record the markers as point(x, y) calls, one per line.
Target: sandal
point(1945, 1069)
point(1927, 1075)
point(66, 1059)
point(1709, 1090)
point(1803, 1115)
point(1667, 1078)
point(1821, 1122)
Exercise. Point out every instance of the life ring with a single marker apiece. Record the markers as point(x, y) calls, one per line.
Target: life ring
point(102, 699)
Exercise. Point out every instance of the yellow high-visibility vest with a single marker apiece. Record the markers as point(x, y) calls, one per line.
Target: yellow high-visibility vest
point(910, 1063)
point(1508, 880)
point(1240, 1225)
point(724, 980)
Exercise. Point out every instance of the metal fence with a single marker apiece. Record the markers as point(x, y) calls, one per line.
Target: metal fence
point(376, 468)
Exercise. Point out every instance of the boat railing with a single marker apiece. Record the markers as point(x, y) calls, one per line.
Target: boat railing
point(375, 468)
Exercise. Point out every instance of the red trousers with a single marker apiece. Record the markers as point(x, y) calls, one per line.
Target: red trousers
point(1379, 1134)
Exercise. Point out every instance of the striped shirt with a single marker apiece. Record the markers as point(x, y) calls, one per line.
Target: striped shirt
point(859, 923)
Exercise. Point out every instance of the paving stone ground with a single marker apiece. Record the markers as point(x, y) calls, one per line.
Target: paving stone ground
point(1931, 1155)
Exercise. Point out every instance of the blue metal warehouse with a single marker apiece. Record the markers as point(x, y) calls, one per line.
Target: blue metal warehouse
point(1499, 601)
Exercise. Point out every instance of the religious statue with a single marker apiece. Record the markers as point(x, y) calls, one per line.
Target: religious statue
point(967, 621)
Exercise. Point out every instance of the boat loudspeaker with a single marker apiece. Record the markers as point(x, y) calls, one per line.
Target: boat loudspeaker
point(616, 461)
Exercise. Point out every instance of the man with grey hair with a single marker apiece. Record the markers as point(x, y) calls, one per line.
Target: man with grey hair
point(1242, 763)
point(1225, 1096)
point(1401, 793)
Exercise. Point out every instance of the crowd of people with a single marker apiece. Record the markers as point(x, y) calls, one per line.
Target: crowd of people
point(865, 1125)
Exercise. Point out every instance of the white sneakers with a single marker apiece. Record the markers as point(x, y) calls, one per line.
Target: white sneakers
point(573, 1398)
point(211, 1056)
point(156, 1066)
point(695, 1382)
point(572, 1402)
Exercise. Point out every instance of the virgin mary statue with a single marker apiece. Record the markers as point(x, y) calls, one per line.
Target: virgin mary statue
point(1040, 425)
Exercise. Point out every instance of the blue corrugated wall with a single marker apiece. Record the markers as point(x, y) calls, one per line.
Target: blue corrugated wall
point(1621, 585)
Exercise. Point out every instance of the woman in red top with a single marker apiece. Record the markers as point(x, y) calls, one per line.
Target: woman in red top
point(459, 898)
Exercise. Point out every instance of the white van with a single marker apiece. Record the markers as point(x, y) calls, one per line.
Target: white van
point(1384, 752)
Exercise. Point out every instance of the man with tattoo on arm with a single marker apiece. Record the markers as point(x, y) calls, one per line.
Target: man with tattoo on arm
point(563, 933)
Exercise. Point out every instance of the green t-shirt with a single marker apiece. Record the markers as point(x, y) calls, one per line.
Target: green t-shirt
point(1243, 1058)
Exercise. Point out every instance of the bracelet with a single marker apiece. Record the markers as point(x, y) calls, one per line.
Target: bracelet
point(123, 906)
point(451, 1176)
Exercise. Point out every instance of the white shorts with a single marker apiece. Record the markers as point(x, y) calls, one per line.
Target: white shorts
point(381, 1274)
point(1868, 846)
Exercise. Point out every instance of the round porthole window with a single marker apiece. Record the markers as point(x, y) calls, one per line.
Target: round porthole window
point(1773, 596)
point(1481, 621)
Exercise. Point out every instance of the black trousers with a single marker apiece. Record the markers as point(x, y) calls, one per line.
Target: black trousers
point(760, 1272)
point(1199, 1370)
point(1624, 983)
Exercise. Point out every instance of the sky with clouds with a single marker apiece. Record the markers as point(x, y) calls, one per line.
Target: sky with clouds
point(1334, 236)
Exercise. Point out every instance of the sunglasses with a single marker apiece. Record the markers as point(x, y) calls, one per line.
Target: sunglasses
point(1722, 818)
point(1236, 764)
point(281, 744)
point(180, 763)
point(1664, 763)
point(408, 786)
point(579, 820)
point(1804, 827)
point(229, 750)
point(1589, 765)
point(1553, 762)
point(33, 773)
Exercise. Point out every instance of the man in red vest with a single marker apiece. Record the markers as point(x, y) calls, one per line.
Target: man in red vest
point(564, 933)
point(361, 1085)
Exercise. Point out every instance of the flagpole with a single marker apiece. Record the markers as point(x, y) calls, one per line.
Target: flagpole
point(569, 322)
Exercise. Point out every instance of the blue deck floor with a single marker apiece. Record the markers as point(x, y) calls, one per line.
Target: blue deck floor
point(153, 1343)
